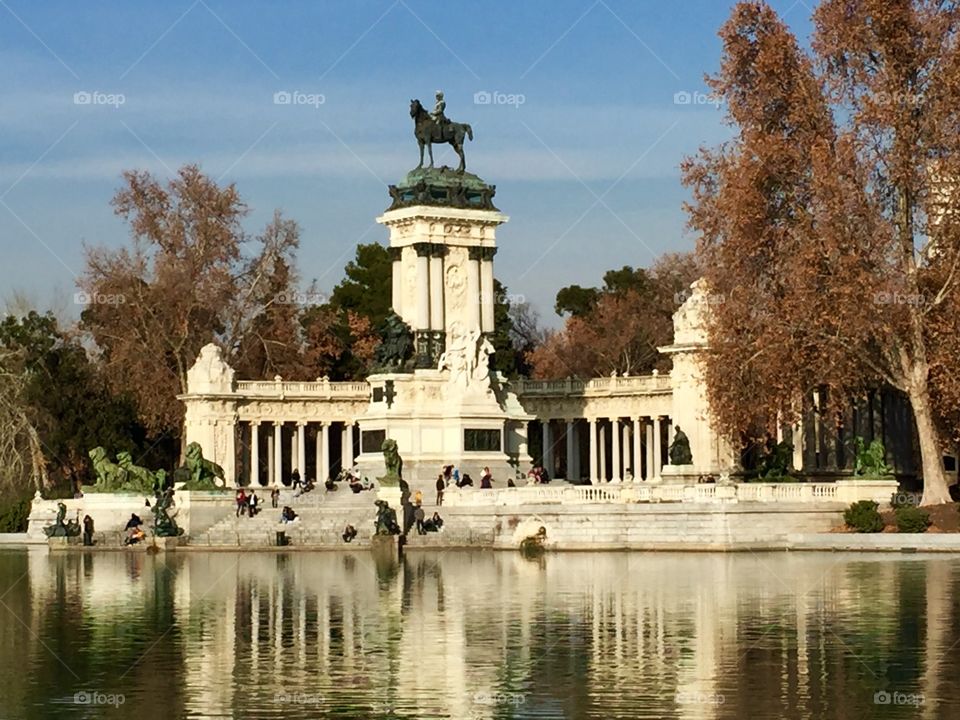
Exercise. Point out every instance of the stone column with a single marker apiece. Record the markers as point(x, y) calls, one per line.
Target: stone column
point(602, 475)
point(592, 423)
point(615, 450)
point(649, 475)
point(324, 440)
point(318, 456)
point(423, 286)
point(294, 452)
point(547, 455)
point(637, 462)
point(626, 447)
point(473, 289)
point(346, 461)
point(571, 454)
point(270, 460)
point(657, 453)
point(277, 453)
point(302, 449)
point(254, 454)
point(487, 290)
point(436, 289)
point(396, 285)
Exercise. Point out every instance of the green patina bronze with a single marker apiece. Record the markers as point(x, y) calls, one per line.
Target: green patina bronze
point(393, 463)
point(203, 474)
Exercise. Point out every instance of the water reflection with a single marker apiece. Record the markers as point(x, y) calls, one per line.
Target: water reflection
point(479, 635)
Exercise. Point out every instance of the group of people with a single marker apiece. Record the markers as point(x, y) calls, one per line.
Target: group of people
point(249, 504)
point(538, 475)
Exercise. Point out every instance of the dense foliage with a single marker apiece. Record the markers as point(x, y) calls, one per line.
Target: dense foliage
point(863, 517)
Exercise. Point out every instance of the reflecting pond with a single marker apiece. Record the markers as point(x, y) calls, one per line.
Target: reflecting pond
point(478, 634)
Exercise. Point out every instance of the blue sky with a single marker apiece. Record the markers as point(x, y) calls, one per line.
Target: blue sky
point(586, 166)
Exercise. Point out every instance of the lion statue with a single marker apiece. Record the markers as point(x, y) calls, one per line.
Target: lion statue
point(110, 476)
point(203, 473)
point(138, 478)
point(392, 462)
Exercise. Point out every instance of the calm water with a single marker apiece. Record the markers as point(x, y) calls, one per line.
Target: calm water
point(478, 635)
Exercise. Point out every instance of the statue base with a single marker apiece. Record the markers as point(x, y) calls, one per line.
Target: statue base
point(63, 542)
point(680, 475)
point(390, 495)
point(166, 543)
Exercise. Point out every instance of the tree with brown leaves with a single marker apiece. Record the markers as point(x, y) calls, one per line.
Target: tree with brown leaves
point(621, 326)
point(827, 224)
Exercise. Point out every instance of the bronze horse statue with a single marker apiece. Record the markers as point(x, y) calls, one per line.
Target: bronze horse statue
point(427, 131)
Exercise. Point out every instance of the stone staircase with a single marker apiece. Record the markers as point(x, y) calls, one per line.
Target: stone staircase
point(322, 516)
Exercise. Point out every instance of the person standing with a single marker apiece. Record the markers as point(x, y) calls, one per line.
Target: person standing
point(440, 486)
point(418, 498)
point(486, 479)
point(252, 503)
point(241, 501)
point(275, 497)
point(87, 530)
point(295, 479)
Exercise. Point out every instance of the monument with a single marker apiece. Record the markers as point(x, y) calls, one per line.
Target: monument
point(443, 405)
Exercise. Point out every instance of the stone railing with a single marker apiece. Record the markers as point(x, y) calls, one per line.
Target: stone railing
point(315, 389)
point(629, 385)
point(841, 492)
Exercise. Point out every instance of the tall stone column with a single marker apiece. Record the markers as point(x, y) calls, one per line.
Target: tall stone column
point(649, 475)
point(571, 453)
point(593, 475)
point(626, 447)
point(346, 461)
point(487, 295)
point(277, 453)
point(615, 450)
point(254, 453)
point(436, 288)
point(396, 284)
point(422, 330)
point(270, 460)
point(302, 449)
point(603, 454)
point(547, 455)
point(657, 452)
point(636, 450)
point(324, 440)
point(473, 289)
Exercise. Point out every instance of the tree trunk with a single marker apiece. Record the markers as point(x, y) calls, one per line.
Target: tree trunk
point(935, 490)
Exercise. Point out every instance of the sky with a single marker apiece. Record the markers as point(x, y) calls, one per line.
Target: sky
point(582, 112)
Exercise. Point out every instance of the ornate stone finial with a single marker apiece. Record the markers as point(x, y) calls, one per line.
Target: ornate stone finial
point(210, 374)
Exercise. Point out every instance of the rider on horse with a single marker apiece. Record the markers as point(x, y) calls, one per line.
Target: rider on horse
point(438, 113)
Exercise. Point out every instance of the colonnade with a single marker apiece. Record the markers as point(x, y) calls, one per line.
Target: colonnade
point(619, 448)
point(304, 433)
point(427, 316)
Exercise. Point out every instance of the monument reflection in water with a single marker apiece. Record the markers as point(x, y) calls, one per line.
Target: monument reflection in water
point(478, 635)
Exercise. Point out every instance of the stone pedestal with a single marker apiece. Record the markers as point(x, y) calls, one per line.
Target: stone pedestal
point(63, 543)
point(166, 543)
point(680, 475)
point(391, 496)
